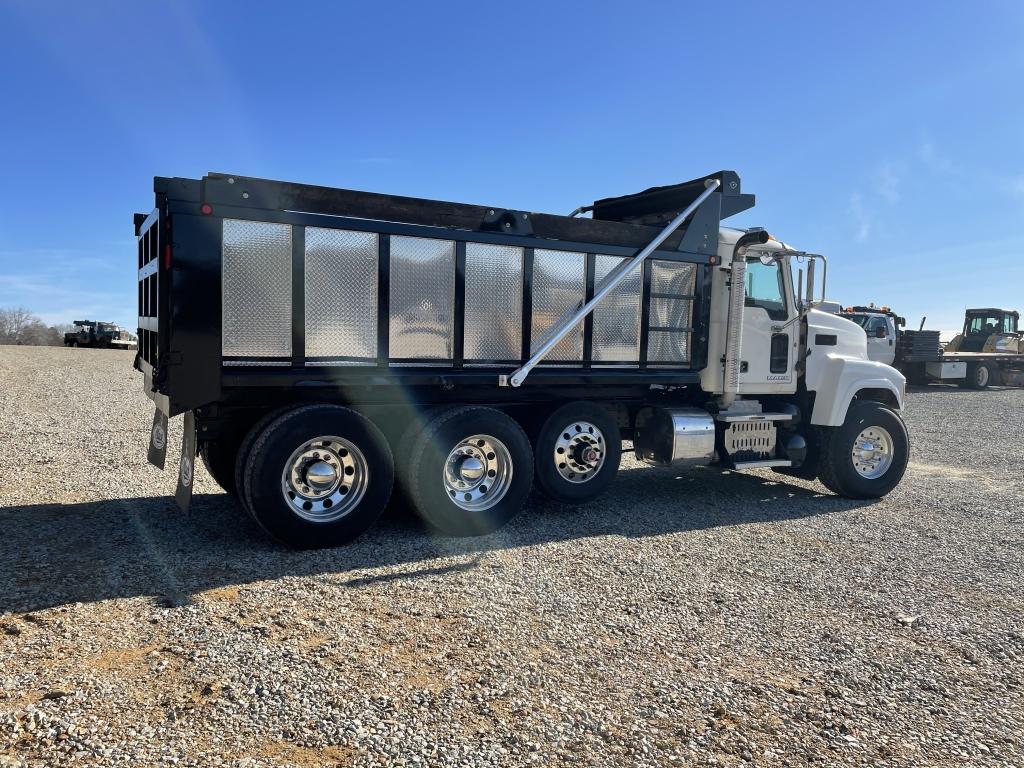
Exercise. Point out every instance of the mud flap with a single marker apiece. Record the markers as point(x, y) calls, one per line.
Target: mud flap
point(157, 454)
point(187, 466)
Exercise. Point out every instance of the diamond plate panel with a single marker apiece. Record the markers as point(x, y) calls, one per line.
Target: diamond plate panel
point(670, 313)
point(422, 298)
point(256, 289)
point(668, 348)
point(494, 302)
point(673, 277)
point(341, 293)
point(617, 319)
point(558, 288)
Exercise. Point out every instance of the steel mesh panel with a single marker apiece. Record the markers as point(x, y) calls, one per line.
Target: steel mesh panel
point(616, 335)
point(673, 277)
point(256, 289)
point(558, 288)
point(341, 293)
point(668, 348)
point(422, 298)
point(494, 302)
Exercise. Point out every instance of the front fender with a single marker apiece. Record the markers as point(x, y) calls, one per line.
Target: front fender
point(836, 380)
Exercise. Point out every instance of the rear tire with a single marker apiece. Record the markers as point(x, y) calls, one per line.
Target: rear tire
point(242, 457)
point(471, 471)
point(336, 446)
point(404, 446)
point(570, 436)
point(866, 457)
point(979, 375)
point(219, 459)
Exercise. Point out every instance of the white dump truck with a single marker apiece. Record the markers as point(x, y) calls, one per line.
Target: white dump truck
point(330, 348)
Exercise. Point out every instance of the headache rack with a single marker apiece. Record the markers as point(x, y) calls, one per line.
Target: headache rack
point(247, 283)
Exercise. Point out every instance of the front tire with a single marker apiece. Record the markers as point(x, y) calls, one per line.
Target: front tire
point(866, 457)
point(578, 450)
point(318, 476)
point(471, 471)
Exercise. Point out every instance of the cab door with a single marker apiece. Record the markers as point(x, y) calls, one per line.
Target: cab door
point(768, 353)
point(881, 339)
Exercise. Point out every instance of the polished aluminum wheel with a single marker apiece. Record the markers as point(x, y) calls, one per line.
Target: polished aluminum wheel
point(478, 472)
point(579, 452)
point(872, 452)
point(325, 479)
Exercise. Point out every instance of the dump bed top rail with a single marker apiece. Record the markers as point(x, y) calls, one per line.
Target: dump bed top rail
point(655, 206)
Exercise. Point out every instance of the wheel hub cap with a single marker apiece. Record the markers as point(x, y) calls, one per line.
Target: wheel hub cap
point(471, 469)
point(579, 452)
point(321, 475)
point(872, 452)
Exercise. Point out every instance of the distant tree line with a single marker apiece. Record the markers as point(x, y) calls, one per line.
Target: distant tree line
point(19, 326)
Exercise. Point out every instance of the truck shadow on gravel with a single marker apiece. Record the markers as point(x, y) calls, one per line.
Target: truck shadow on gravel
point(144, 547)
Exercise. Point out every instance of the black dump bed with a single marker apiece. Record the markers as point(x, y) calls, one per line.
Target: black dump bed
point(247, 285)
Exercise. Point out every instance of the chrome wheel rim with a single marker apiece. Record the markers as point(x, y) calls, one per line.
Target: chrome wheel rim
point(872, 452)
point(477, 473)
point(982, 375)
point(579, 452)
point(324, 479)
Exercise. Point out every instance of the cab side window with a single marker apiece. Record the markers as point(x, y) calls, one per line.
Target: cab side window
point(765, 288)
point(873, 326)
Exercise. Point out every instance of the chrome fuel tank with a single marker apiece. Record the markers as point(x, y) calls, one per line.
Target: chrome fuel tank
point(682, 436)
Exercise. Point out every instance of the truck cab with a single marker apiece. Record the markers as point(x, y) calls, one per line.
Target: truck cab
point(881, 326)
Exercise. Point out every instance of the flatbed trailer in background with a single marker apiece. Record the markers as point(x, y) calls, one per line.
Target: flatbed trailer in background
point(987, 352)
point(327, 347)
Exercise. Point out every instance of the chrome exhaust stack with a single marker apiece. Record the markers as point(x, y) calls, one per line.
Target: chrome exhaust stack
point(737, 297)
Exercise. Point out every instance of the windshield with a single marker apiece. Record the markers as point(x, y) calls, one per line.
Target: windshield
point(984, 324)
point(861, 320)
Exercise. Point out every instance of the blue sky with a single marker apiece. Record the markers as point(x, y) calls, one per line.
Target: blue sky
point(889, 136)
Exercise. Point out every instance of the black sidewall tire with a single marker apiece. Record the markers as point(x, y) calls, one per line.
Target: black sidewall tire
point(219, 459)
point(436, 441)
point(846, 480)
point(275, 445)
point(242, 456)
point(405, 445)
point(546, 477)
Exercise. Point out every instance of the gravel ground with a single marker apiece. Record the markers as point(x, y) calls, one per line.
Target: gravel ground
point(703, 618)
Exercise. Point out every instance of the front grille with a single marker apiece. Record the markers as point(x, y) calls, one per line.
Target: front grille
point(149, 290)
